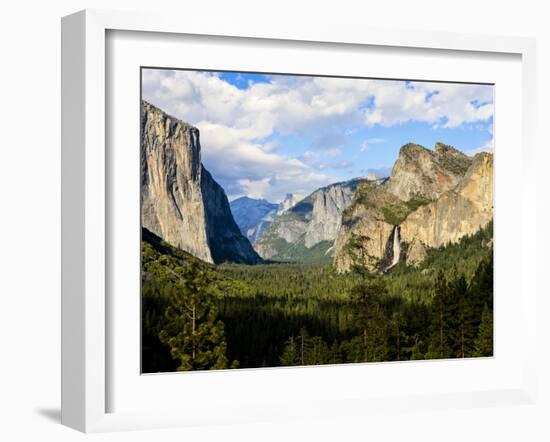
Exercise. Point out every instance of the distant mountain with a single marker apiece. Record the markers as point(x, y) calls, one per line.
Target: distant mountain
point(180, 201)
point(253, 216)
point(306, 231)
point(291, 199)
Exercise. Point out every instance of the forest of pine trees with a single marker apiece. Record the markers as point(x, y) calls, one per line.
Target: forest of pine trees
point(198, 316)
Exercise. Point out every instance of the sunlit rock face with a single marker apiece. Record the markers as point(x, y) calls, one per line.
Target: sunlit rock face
point(180, 201)
point(458, 212)
point(435, 197)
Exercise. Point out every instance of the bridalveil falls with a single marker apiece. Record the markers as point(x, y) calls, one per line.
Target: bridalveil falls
point(396, 246)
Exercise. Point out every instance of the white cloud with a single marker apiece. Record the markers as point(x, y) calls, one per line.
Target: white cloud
point(489, 146)
point(238, 126)
point(275, 188)
point(309, 155)
point(369, 142)
point(445, 104)
point(290, 104)
point(254, 188)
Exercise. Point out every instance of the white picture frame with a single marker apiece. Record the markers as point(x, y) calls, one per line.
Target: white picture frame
point(85, 310)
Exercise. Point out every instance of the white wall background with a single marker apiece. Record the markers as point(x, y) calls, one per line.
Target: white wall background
point(30, 214)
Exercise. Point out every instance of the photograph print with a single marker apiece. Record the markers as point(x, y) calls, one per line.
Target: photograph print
point(292, 220)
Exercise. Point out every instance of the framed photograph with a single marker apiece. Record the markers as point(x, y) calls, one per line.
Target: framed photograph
point(298, 223)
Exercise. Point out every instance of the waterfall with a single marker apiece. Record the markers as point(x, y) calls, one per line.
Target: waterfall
point(396, 246)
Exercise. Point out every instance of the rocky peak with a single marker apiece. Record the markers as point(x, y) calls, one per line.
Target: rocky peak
point(452, 159)
point(181, 202)
point(422, 172)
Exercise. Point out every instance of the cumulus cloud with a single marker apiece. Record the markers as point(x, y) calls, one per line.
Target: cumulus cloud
point(291, 104)
point(381, 172)
point(369, 142)
point(489, 147)
point(238, 126)
point(442, 104)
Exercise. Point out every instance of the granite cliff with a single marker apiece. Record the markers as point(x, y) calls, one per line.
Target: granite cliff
point(460, 211)
point(180, 201)
point(432, 198)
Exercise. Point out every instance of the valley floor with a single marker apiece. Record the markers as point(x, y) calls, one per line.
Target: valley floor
point(199, 316)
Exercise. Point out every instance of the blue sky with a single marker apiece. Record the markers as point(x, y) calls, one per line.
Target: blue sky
point(267, 135)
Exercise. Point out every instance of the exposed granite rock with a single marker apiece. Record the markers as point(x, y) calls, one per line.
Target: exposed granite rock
point(365, 220)
point(315, 219)
point(416, 253)
point(420, 171)
point(180, 201)
point(458, 212)
point(326, 216)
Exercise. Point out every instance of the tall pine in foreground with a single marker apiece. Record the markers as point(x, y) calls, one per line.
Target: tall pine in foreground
point(372, 343)
point(195, 337)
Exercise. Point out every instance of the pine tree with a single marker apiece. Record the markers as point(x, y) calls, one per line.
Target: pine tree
point(398, 334)
point(371, 344)
point(439, 347)
point(335, 354)
point(461, 318)
point(362, 263)
point(484, 340)
point(481, 287)
point(195, 337)
point(290, 354)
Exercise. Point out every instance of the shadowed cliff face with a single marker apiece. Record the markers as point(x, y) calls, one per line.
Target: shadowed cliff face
point(435, 197)
point(180, 201)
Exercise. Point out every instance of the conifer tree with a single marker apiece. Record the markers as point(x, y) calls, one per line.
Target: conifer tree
point(439, 347)
point(290, 354)
point(463, 323)
point(193, 333)
point(481, 287)
point(484, 340)
point(369, 316)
